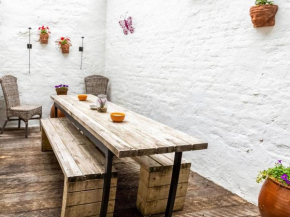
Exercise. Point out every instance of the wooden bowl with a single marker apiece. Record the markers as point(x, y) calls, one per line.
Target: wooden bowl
point(82, 97)
point(117, 117)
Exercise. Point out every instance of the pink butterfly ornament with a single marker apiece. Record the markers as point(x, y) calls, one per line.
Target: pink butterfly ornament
point(126, 25)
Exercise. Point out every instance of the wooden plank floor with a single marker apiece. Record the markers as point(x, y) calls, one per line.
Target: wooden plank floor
point(31, 184)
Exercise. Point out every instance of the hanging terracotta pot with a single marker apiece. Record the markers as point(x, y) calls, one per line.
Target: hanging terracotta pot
point(65, 48)
point(263, 15)
point(59, 91)
point(274, 199)
point(44, 38)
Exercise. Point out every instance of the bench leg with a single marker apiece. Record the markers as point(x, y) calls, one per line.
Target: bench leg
point(45, 144)
point(154, 188)
point(84, 198)
point(174, 183)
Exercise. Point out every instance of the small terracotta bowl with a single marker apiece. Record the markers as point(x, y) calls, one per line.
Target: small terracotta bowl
point(82, 97)
point(117, 117)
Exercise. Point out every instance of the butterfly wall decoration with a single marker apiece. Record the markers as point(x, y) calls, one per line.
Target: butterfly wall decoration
point(126, 25)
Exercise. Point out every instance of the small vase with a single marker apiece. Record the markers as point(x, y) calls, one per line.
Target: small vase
point(65, 48)
point(44, 38)
point(102, 103)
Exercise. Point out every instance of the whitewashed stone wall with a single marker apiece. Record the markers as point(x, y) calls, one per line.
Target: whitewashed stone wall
point(49, 66)
point(199, 66)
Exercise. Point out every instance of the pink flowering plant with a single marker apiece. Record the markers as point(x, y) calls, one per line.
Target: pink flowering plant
point(44, 30)
point(279, 172)
point(63, 40)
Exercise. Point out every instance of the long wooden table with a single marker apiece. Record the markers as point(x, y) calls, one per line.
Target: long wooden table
point(136, 136)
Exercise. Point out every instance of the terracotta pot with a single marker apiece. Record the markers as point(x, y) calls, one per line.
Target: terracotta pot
point(263, 15)
point(65, 48)
point(44, 38)
point(59, 113)
point(52, 110)
point(274, 199)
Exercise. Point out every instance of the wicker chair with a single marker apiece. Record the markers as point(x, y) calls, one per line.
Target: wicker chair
point(13, 107)
point(96, 84)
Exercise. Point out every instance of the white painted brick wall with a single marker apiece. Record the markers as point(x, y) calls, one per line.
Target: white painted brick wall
point(49, 66)
point(199, 66)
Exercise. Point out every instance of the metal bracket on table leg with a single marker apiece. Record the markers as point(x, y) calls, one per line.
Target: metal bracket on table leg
point(55, 111)
point(174, 183)
point(107, 183)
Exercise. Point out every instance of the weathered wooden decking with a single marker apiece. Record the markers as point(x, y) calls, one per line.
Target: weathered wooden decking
point(31, 185)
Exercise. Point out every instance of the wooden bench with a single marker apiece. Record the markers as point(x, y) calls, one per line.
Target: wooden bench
point(83, 167)
point(154, 183)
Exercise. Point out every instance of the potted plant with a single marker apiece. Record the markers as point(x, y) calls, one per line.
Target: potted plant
point(274, 198)
point(64, 43)
point(263, 13)
point(61, 89)
point(44, 34)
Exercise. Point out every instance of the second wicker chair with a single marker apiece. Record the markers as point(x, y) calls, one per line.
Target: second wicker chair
point(96, 84)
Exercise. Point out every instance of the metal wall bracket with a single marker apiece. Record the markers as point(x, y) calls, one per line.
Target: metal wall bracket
point(29, 47)
point(81, 49)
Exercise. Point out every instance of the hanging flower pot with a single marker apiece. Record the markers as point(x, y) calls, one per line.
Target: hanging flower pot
point(64, 43)
point(65, 48)
point(263, 13)
point(44, 34)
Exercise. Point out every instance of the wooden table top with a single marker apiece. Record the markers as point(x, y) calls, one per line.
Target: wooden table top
point(135, 136)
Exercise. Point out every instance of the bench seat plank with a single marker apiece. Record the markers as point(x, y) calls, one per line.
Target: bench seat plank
point(67, 163)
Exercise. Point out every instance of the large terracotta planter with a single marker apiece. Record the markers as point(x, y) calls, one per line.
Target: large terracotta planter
point(52, 110)
point(263, 15)
point(44, 38)
point(274, 199)
point(65, 48)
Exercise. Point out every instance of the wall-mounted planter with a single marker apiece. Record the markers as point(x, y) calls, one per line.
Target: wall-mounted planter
point(263, 15)
point(43, 34)
point(65, 48)
point(64, 43)
point(44, 38)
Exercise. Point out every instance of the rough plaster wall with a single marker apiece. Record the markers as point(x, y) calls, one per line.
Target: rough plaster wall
point(199, 66)
point(49, 66)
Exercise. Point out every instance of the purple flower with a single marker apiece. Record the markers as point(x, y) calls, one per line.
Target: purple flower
point(280, 161)
point(285, 178)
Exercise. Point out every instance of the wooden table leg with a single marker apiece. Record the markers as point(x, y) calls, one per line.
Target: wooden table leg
point(107, 183)
point(174, 183)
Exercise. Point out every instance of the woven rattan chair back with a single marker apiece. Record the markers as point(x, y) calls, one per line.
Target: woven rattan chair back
point(10, 91)
point(96, 84)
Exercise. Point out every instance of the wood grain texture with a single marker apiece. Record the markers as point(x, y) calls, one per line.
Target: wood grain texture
point(204, 198)
point(82, 165)
point(76, 155)
point(136, 136)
